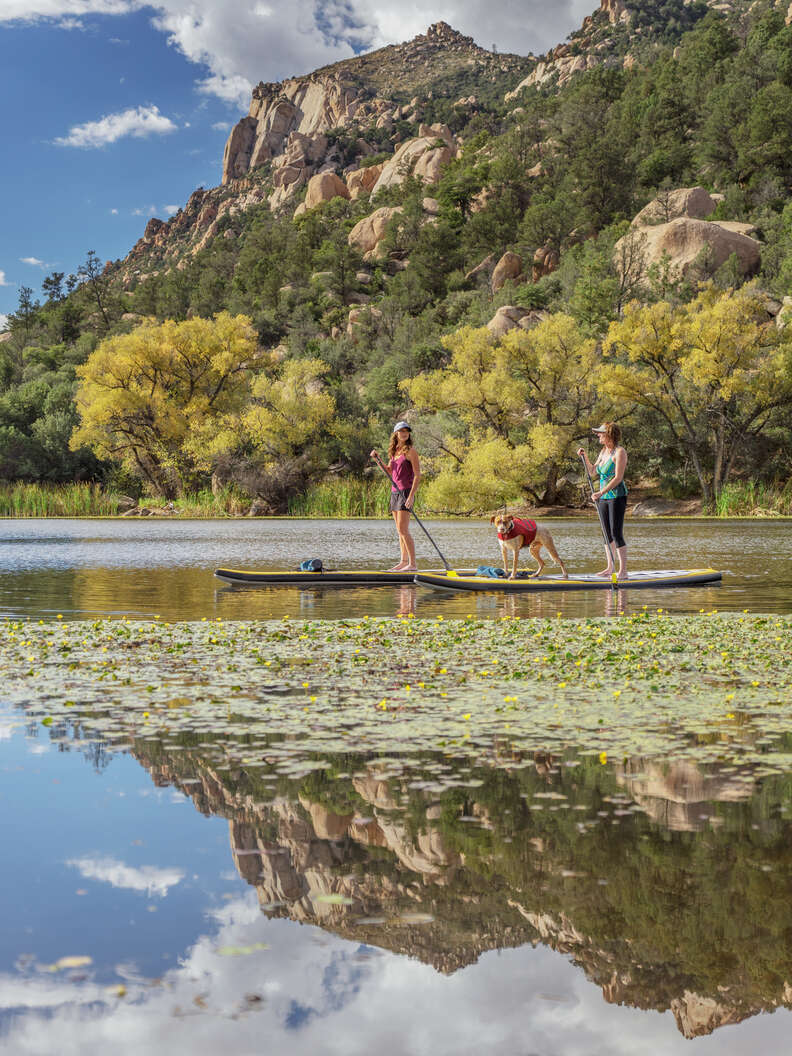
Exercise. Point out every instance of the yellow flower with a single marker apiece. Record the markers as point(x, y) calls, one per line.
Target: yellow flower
point(603, 757)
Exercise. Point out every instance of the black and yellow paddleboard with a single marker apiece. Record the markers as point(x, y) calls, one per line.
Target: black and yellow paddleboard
point(327, 577)
point(460, 581)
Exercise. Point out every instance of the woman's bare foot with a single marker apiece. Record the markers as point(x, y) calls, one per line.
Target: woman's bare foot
point(605, 572)
point(397, 568)
point(409, 568)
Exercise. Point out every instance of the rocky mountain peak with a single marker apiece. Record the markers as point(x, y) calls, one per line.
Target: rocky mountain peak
point(442, 33)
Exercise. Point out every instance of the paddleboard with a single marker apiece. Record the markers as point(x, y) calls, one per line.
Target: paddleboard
point(460, 581)
point(327, 577)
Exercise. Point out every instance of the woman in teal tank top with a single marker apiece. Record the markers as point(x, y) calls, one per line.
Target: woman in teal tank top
point(612, 494)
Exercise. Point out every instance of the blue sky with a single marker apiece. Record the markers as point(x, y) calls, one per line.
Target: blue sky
point(116, 110)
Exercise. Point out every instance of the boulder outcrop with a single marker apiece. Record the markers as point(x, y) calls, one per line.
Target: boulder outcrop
point(323, 187)
point(424, 157)
point(369, 232)
point(509, 266)
point(683, 241)
point(545, 261)
point(694, 202)
point(508, 316)
point(362, 181)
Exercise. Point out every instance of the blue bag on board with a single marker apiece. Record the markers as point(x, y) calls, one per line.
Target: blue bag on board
point(491, 571)
point(313, 564)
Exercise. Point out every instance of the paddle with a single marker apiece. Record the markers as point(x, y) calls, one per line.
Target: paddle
point(385, 470)
point(609, 557)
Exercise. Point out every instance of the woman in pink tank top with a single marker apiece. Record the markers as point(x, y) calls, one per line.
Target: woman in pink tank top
point(405, 469)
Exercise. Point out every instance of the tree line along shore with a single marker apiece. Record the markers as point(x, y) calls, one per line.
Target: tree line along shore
point(259, 372)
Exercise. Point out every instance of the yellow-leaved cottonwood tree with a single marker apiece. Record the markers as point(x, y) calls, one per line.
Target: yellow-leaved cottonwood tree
point(717, 371)
point(522, 402)
point(143, 395)
point(171, 399)
point(288, 411)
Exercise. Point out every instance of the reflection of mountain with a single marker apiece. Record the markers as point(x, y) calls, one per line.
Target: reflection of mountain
point(658, 917)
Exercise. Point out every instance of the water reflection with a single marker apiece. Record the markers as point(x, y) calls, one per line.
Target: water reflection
point(666, 883)
point(438, 900)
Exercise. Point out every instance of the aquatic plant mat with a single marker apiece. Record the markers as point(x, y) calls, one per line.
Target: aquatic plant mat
point(711, 687)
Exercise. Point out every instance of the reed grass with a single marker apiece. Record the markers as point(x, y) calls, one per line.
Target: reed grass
point(751, 499)
point(227, 502)
point(343, 498)
point(57, 500)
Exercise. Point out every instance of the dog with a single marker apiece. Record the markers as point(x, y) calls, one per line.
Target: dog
point(516, 532)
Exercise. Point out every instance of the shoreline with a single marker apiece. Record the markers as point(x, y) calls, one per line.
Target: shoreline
point(553, 513)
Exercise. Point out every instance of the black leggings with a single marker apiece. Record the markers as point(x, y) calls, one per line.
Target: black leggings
point(612, 511)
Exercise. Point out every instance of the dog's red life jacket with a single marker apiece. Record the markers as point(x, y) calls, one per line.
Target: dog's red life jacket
point(520, 527)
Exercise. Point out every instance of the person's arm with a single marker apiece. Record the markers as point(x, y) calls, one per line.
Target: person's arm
point(415, 462)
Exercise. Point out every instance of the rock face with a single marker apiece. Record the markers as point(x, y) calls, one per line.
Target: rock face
point(423, 156)
point(616, 10)
point(694, 202)
point(683, 240)
point(368, 232)
point(308, 106)
point(696, 1015)
point(508, 267)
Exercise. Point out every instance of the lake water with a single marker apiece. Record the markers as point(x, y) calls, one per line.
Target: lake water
point(155, 568)
point(162, 894)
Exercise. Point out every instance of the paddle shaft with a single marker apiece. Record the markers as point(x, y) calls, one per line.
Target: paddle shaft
point(385, 470)
point(608, 552)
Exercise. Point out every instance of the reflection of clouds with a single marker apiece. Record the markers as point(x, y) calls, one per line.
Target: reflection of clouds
point(148, 878)
point(37, 992)
point(313, 992)
point(7, 730)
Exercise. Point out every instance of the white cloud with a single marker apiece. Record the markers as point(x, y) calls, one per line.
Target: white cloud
point(148, 878)
point(171, 210)
point(221, 126)
point(3, 281)
point(114, 212)
point(150, 210)
point(33, 261)
point(3, 326)
point(36, 10)
point(240, 42)
point(139, 121)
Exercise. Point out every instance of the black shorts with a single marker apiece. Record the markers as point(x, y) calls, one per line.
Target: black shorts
point(398, 500)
